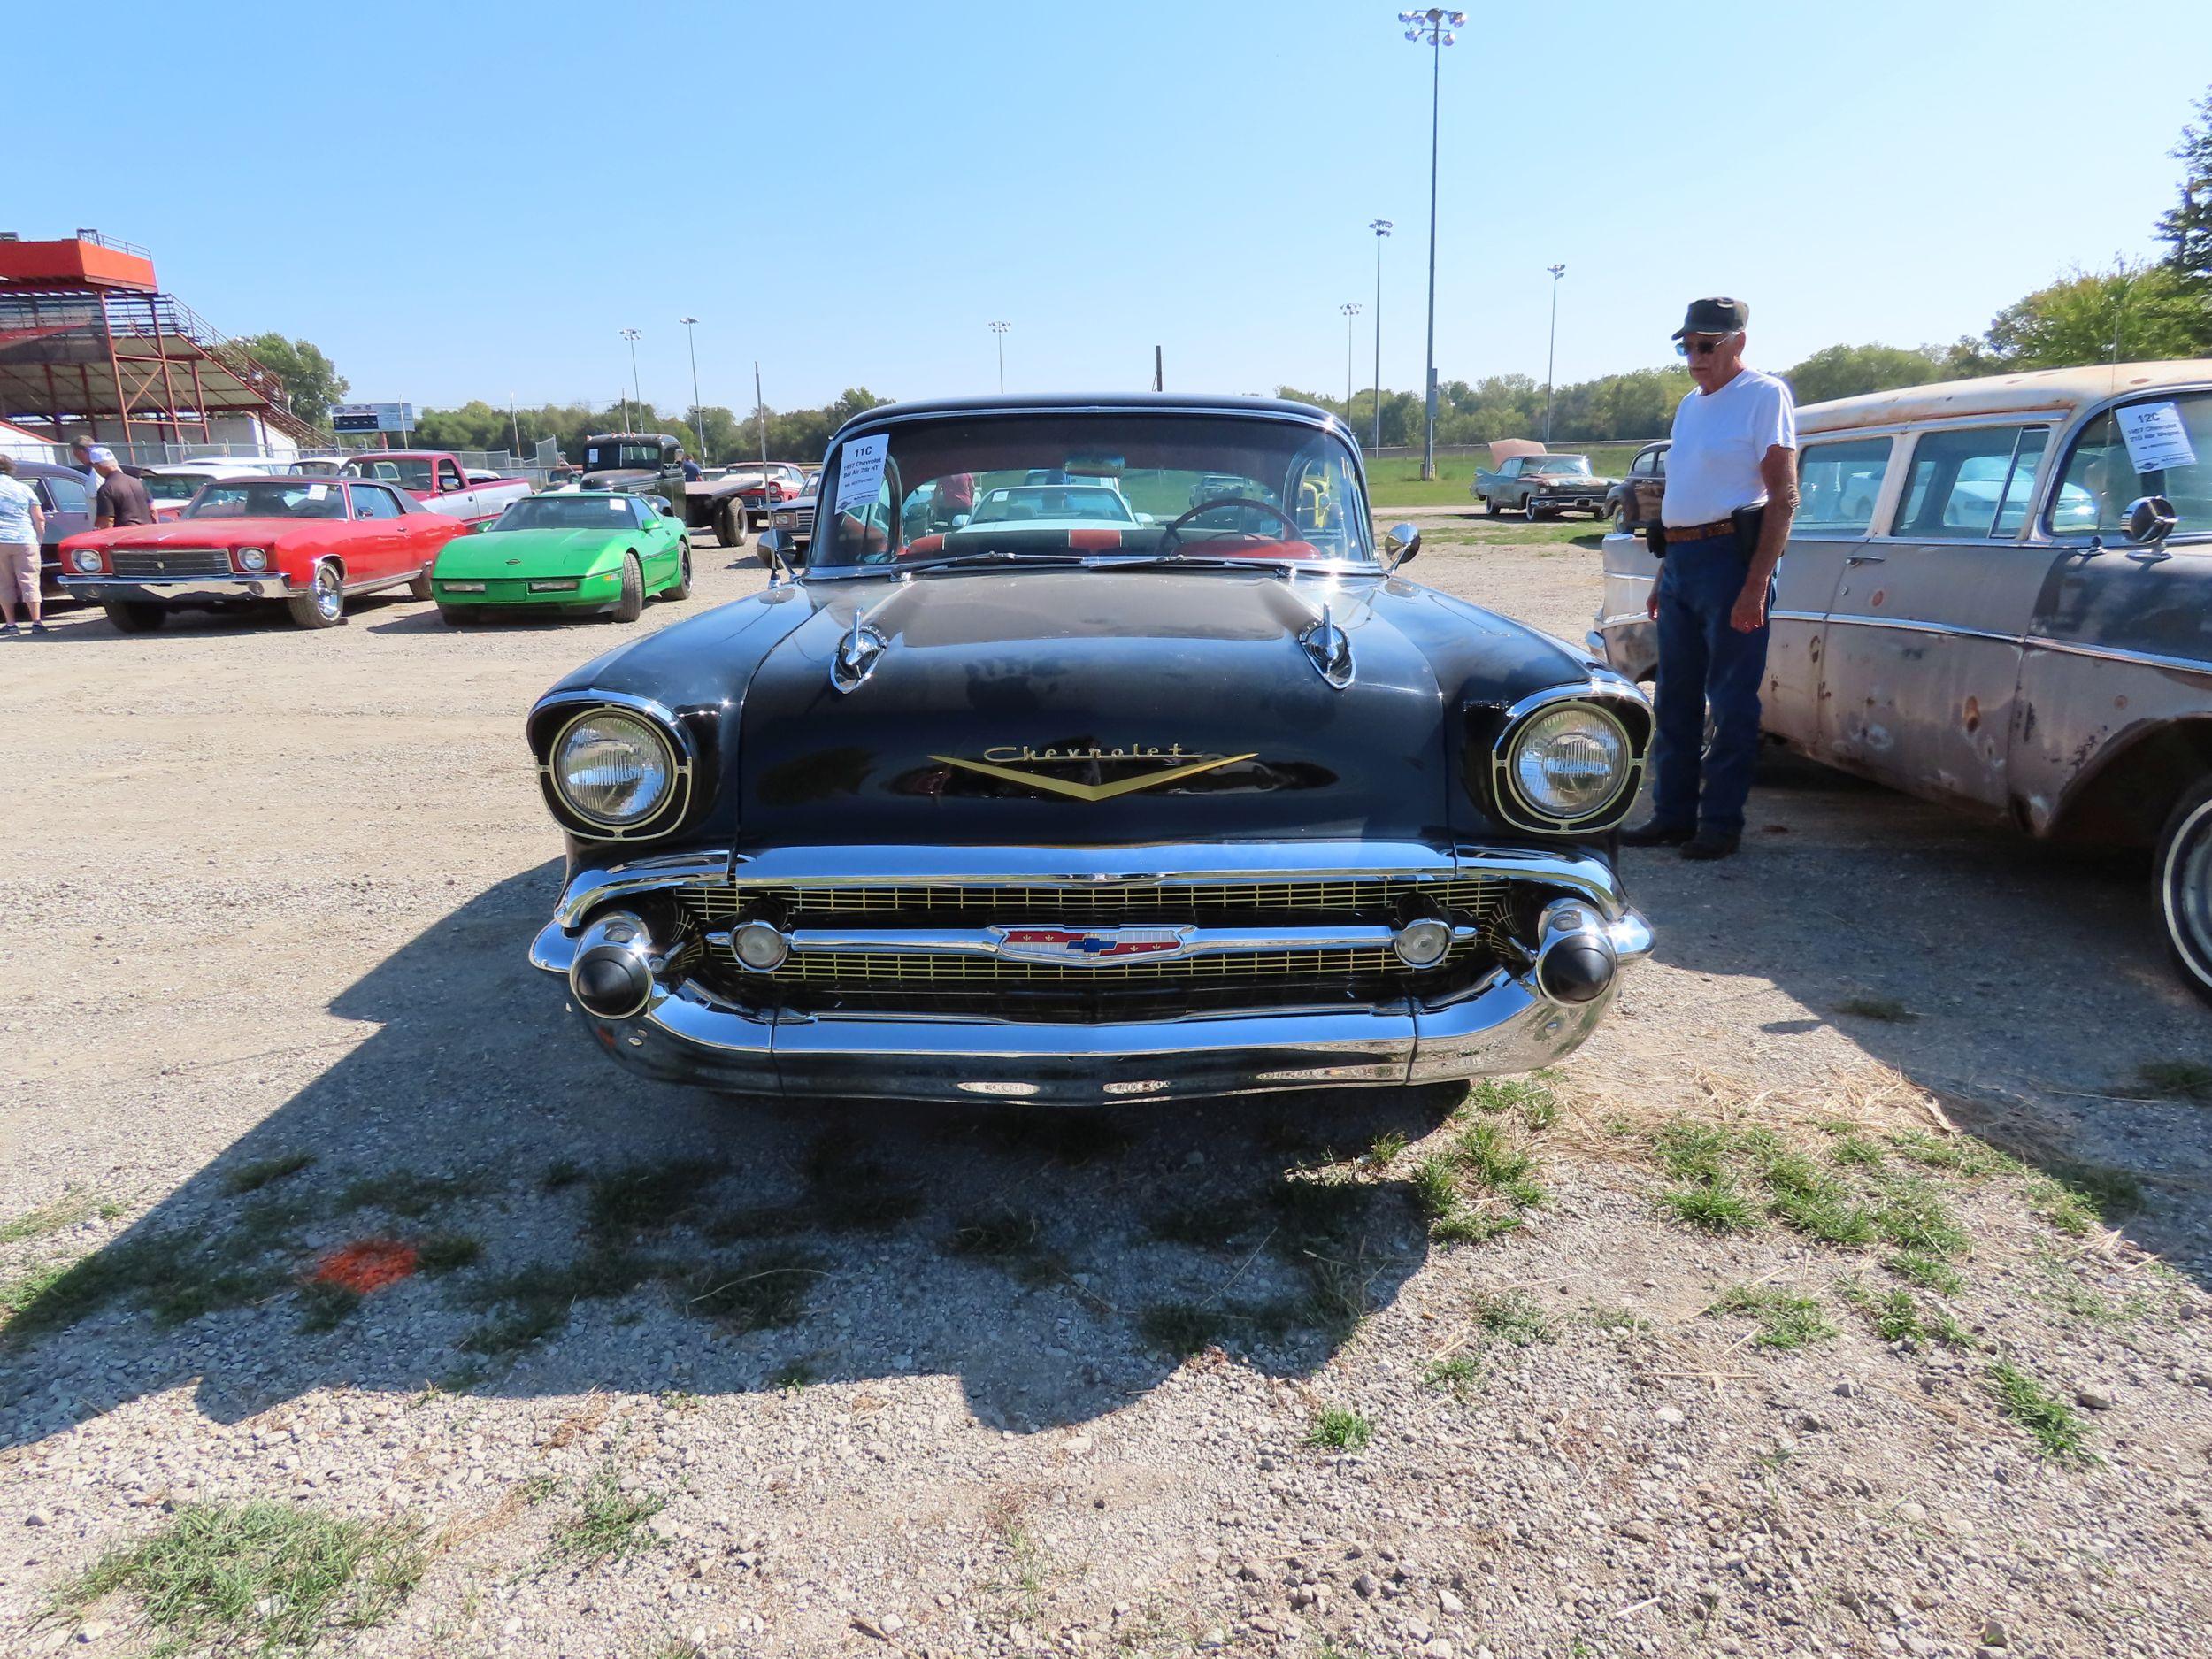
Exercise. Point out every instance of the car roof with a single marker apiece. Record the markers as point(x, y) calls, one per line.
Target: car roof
point(2032, 391)
point(1097, 403)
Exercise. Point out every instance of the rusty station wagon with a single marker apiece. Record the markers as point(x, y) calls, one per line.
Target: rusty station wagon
point(1998, 594)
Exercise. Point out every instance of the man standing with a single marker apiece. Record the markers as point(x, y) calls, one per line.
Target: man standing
point(80, 458)
point(1732, 490)
point(121, 499)
point(22, 522)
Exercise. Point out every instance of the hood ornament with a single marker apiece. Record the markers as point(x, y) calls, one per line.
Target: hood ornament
point(1329, 648)
point(858, 654)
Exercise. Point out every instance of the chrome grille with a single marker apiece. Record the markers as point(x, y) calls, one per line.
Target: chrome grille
point(955, 971)
point(1481, 896)
point(175, 561)
point(805, 525)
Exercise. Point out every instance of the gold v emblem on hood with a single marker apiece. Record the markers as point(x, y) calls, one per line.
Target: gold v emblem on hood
point(1091, 791)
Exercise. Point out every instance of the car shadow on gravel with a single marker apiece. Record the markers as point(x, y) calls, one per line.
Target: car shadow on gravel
point(474, 1199)
point(2025, 985)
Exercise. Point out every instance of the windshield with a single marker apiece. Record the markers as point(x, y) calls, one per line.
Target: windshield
point(2161, 446)
point(407, 471)
point(173, 485)
point(269, 498)
point(569, 512)
point(599, 457)
point(1006, 486)
point(1578, 465)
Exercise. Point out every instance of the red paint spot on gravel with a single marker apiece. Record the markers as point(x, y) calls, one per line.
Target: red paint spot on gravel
point(366, 1265)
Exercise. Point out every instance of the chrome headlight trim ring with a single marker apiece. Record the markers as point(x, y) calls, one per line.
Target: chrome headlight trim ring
point(1512, 803)
point(676, 746)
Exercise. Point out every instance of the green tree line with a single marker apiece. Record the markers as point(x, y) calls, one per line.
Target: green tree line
point(721, 435)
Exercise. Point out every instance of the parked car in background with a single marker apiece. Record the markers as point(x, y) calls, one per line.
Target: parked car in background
point(793, 521)
point(309, 543)
point(1633, 502)
point(1998, 594)
point(1534, 484)
point(438, 480)
point(645, 462)
point(574, 553)
point(762, 486)
point(65, 498)
point(1071, 809)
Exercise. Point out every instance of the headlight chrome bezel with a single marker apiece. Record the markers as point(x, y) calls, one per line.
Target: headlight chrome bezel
point(87, 561)
point(253, 560)
point(1621, 709)
point(676, 753)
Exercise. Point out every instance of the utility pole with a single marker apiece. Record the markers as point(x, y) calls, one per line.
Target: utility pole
point(1351, 308)
point(633, 336)
point(698, 426)
point(515, 421)
point(1551, 352)
point(1381, 227)
point(761, 405)
point(998, 331)
point(1434, 27)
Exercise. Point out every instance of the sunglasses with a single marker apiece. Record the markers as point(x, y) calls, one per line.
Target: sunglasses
point(1699, 345)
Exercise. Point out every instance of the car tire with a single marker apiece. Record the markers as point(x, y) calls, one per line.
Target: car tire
point(631, 606)
point(1492, 505)
point(2182, 879)
point(729, 525)
point(1530, 510)
point(135, 616)
point(323, 604)
point(1620, 521)
point(419, 589)
point(681, 588)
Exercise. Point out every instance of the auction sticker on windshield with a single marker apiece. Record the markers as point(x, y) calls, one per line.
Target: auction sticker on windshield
point(860, 470)
point(2155, 437)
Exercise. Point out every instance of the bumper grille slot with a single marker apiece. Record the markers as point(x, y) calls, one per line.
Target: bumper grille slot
point(1239, 902)
point(178, 561)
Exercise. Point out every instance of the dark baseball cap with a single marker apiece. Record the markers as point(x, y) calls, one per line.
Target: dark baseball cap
point(1718, 316)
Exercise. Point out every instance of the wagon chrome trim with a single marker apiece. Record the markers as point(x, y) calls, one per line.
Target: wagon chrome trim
point(2115, 654)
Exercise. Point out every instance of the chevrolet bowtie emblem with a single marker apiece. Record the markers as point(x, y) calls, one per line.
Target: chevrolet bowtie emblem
point(1011, 765)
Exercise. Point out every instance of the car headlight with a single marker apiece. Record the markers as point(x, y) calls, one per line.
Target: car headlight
point(612, 768)
point(785, 521)
point(462, 588)
point(253, 558)
point(1567, 764)
point(87, 560)
point(567, 586)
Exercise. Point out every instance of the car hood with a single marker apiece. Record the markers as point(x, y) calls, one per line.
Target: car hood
point(529, 552)
point(1191, 686)
point(181, 533)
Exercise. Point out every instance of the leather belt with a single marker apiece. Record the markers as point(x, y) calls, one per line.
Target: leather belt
point(1701, 532)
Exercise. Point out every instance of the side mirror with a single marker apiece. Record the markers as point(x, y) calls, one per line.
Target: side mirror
point(2150, 521)
point(960, 520)
point(771, 550)
point(1401, 542)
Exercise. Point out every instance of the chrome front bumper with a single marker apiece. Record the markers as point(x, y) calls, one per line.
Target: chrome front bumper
point(176, 590)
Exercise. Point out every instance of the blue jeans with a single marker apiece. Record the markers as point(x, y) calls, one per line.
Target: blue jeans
point(1703, 663)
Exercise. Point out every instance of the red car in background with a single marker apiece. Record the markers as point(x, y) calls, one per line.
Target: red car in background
point(766, 487)
point(308, 544)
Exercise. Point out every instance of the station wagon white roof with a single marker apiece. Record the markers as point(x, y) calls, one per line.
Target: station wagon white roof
point(2032, 391)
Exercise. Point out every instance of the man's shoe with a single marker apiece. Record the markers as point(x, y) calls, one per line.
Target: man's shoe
point(8, 628)
point(38, 627)
point(1656, 832)
point(1711, 843)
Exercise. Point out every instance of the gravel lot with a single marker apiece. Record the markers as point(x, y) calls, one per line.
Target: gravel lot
point(1734, 1335)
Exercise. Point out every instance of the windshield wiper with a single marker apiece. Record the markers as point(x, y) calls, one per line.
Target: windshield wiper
point(1201, 562)
point(1003, 556)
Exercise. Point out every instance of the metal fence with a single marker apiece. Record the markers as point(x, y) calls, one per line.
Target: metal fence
point(1395, 451)
point(153, 454)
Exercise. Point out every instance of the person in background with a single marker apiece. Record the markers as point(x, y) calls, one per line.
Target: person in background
point(80, 458)
point(121, 499)
point(955, 495)
point(1732, 491)
point(22, 522)
point(691, 468)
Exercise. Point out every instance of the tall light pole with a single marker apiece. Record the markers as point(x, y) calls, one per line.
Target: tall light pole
point(637, 397)
point(1381, 227)
point(998, 331)
point(698, 426)
point(1433, 27)
point(1351, 308)
point(1551, 352)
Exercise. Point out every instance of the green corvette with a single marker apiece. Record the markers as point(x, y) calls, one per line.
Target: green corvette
point(583, 553)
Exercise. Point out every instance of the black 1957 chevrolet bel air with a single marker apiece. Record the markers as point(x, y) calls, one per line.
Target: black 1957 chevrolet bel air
point(1074, 793)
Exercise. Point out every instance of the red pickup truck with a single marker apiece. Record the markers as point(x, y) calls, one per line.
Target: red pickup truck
point(439, 482)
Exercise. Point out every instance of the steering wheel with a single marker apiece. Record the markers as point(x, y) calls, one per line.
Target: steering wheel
point(1174, 534)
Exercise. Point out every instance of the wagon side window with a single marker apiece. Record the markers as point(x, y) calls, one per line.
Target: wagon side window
point(2172, 456)
point(1838, 484)
point(1970, 485)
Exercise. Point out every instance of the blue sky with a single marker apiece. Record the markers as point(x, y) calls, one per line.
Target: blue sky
point(458, 200)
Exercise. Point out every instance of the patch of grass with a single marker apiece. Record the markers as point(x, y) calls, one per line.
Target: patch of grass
point(1527, 1098)
point(66, 1211)
point(541, 1295)
point(1813, 1201)
point(561, 1174)
point(511, 1332)
point(1857, 1150)
point(1914, 1215)
point(609, 1523)
point(851, 1191)
point(1690, 1151)
point(1457, 1373)
point(1180, 1329)
point(647, 1197)
point(257, 1577)
point(251, 1178)
point(2057, 1428)
point(1339, 1429)
point(2077, 1198)
point(1512, 1316)
point(1493, 1159)
point(1887, 1009)
point(1960, 1155)
point(2176, 1079)
point(1385, 1150)
point(1434, 1188)
point(175, 1276)
point(1317, 1215)
point(1617, 1319)
point(764, 1290)
point(406, 1194)
point(1469, 1225)
point(325, 1306)
point(1785, 1322)
point(443, 1253)
point(1336, 1303)
point(1930, 1272)
point(1716, 1206)
point(791, 1377)
point(1013, 1238)
point(1943, 1326)
point(1897, 1317)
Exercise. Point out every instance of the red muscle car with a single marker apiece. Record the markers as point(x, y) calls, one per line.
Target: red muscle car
point(309, 543)
point(765, 486)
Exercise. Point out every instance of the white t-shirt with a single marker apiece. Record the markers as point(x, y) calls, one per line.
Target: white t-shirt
point(1719, 439)
point(17, 499)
